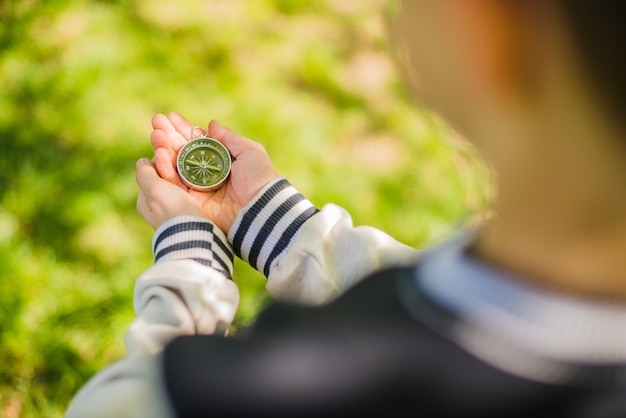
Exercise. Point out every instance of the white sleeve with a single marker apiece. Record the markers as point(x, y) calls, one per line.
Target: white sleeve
point(310, 256)
point(188, 291)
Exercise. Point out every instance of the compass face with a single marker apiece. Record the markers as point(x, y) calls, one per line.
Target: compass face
point(203, 164)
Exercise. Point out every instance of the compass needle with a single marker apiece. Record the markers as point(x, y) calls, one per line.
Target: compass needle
point(193, 162)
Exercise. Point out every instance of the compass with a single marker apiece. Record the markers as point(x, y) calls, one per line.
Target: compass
point(203, 163)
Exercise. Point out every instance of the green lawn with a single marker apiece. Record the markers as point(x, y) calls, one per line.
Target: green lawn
point(79, 83)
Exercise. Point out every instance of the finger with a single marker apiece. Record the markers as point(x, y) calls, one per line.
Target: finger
point(160, 121)
point(157, 119)
point(146, 212)
point(163, 123)
point(182, 125)
point(160, 139)
point(146, 176)
point(165, 166)
point(142, 205)
point(235, 142)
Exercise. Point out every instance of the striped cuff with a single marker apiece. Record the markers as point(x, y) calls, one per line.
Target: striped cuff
point(264, 229)
point(193, 238)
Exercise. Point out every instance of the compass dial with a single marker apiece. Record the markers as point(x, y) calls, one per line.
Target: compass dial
point(203, 164)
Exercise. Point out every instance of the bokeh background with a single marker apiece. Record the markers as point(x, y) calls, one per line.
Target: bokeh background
point(314, 81)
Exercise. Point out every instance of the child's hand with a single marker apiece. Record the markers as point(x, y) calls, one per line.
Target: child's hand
point(251, 169)
point(158, 200)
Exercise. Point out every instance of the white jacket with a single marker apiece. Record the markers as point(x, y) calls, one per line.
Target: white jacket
point(309, 256)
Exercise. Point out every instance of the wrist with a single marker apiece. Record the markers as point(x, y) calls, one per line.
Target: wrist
point(264, 229)
point(193, 238)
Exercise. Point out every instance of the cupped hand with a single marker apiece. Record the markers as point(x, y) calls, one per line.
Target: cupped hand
point(251, 169)
point(159, 200)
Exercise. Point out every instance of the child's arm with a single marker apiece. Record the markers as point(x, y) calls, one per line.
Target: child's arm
point(310, 256)
point(188, 291)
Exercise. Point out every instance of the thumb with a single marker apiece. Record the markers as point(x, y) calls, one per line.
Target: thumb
point(146, 175)
point(235, 142)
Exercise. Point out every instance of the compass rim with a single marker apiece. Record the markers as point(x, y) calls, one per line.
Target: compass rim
point(212, 144)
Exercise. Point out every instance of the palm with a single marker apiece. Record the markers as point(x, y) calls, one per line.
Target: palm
point(216, 205)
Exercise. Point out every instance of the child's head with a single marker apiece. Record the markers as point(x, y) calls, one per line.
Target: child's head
point(480, 62)
point(538, 86)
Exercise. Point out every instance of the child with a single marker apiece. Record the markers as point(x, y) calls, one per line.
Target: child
point(523, 316)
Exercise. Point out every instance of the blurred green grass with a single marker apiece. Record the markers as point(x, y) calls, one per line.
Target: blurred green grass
point(79, 83)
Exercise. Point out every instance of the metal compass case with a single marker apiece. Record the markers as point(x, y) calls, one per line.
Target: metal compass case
point(203, 163)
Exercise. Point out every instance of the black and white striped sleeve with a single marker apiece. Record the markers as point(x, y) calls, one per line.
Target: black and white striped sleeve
point(177, 296)
point(193, 238)
point(269, 224)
